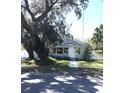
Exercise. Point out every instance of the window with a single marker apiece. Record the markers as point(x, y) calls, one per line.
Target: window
point(54, 50)
point(66, 50)
point(78, 50)
point(60, 50)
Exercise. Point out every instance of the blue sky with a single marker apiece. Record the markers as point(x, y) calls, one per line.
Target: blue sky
point(92, 18)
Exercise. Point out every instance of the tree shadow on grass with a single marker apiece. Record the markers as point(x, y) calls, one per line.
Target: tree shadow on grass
point(61, 69)
point(64, 82)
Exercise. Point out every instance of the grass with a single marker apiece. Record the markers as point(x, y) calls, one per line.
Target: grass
point(82, 64)
point(92, 68)
point(27, 62)
point(92, 64)
point(60, 62)
point(64, 63)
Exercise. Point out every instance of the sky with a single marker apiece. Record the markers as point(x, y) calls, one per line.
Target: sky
point(92, 19)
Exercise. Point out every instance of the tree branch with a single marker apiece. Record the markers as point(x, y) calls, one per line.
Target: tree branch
point(47, 4)
point(28, 28)
point(51, 1)
point(29, 11)
point(23, 6)
point(47, 10)
point(24, 23)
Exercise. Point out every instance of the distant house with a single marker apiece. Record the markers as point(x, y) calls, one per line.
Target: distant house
point(62, 50)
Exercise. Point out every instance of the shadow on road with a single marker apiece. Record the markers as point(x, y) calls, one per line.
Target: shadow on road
point(64, 82)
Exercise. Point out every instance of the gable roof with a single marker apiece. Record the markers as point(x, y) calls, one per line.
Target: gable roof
point(71, 42)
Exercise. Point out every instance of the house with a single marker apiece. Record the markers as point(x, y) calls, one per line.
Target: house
point(62, 49)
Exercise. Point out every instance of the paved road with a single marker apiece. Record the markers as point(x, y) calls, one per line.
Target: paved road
point(60, 83)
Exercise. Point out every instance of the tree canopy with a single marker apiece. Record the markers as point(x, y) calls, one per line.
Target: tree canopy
point(43, 23)
point(97, 38)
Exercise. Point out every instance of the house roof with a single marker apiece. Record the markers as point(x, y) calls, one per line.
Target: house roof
point(71, 42)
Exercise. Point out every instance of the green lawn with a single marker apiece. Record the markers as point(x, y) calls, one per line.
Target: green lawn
point(81, 64)
point(92, 64)
point(64, 63)
point(61, 66)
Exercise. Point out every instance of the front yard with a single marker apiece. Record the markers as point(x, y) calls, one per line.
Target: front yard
point(91, 68)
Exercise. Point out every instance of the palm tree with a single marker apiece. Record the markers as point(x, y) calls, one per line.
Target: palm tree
point(98, 38)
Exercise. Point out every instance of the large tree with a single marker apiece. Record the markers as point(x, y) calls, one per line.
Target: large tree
point(43, 23)
point(98, 38)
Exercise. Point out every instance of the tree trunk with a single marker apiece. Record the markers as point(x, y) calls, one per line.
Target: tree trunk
point(35, 43)
point(29, 50)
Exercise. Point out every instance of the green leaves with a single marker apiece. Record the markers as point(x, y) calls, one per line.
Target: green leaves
point(98, 37)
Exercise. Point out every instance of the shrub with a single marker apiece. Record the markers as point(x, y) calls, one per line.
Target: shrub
point(87, 51)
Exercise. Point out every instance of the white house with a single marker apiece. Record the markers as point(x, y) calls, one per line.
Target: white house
point(62, 50)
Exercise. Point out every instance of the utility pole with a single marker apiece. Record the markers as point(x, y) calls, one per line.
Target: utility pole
point(83, 27)
point(82, 49)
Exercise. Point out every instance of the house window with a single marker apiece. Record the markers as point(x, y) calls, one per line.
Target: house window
point(78, 50)
point(54, 50)
point(66, 50)
point(59, 50)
